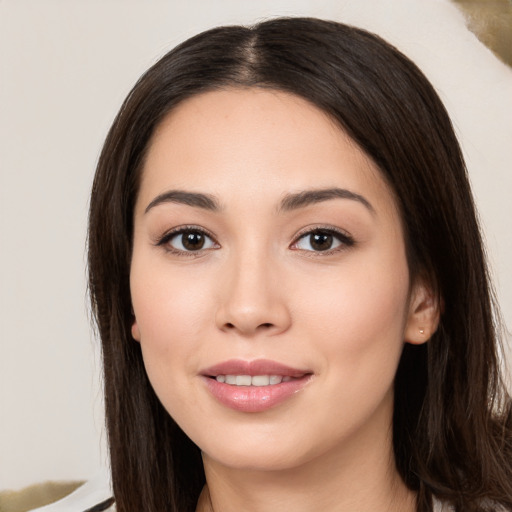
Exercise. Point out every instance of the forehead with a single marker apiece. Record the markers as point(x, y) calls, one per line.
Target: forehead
point(235, 142)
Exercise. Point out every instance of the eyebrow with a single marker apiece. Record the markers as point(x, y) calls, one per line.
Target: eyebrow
point(195, 199)
point(308, 197)
point(290, 202)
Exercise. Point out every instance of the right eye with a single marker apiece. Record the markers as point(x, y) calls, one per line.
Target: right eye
point(187, 240)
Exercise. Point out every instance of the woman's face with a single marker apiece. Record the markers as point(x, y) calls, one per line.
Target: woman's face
point(269, 281)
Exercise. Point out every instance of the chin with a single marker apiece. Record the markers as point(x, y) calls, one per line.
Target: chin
point(257, 459)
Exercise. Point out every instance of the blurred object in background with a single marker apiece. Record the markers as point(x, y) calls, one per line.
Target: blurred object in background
point(491, 22)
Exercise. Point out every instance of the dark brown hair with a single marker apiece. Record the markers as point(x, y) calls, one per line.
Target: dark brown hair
point(452, 428)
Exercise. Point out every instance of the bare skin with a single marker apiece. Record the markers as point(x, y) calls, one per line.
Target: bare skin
point(319, 283)
point(336, 489)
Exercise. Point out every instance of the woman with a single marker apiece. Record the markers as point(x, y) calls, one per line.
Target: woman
point(290, 287)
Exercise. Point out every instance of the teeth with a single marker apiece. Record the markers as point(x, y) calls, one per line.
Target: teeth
point(260, 380)
point(243, 380)
point(256, 380)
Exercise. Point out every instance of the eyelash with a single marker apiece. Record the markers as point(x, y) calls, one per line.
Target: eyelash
point(346, 241)
point(167, 237)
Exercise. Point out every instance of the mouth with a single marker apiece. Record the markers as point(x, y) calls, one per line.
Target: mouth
point(254, 380)
point(254, 386)
point(261, 369)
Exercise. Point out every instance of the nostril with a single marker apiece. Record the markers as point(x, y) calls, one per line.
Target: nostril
point(266, 325)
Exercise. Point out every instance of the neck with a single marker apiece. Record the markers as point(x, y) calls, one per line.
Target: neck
point(363, 479)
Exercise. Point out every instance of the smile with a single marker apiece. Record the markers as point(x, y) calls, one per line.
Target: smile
point(256, 380)
point(254, 386)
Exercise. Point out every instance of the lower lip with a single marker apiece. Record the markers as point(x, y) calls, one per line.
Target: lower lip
point(255, 398)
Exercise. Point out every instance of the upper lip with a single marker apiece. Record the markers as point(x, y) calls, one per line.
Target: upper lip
point(252, 368)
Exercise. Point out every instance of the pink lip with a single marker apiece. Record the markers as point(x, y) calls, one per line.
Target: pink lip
point(256, 367)
point(254, 398)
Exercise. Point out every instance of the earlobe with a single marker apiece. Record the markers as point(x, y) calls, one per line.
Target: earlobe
point(423, 318)
point(135, 331)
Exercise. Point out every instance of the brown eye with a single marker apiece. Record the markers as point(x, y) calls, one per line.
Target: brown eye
point(193, 241)
point(321, 240)
point(188, 240)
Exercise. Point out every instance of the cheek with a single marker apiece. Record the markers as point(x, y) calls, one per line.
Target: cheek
point(355, 304)
point(171, 308)
point(169, 305)
point(358, 318)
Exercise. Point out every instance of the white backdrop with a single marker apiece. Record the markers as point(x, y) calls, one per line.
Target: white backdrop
point(65, 67)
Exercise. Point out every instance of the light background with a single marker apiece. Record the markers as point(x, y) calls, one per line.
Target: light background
point(65, 67)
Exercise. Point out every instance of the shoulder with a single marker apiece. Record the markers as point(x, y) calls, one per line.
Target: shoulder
point(93, 496)
point(443, 507)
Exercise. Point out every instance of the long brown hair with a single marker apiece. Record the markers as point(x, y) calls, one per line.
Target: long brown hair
point(452, 428)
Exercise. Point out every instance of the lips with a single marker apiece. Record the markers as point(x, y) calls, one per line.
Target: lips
point(254, 386)
point(253, 368)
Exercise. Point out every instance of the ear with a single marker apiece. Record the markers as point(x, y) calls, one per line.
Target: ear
point(423, 316)
point(135, 331)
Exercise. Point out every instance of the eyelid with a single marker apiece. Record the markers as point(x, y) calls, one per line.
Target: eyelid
point(343, 236)
point(162, 241)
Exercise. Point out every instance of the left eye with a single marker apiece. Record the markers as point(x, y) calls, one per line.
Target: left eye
point(190, 240)
point(322, 240)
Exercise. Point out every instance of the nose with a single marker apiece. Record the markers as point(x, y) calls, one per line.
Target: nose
point(253, 299)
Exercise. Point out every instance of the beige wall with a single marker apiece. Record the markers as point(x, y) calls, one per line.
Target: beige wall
point(65, 66)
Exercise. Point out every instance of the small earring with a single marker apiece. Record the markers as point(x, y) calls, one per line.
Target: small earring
point(422, 332)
